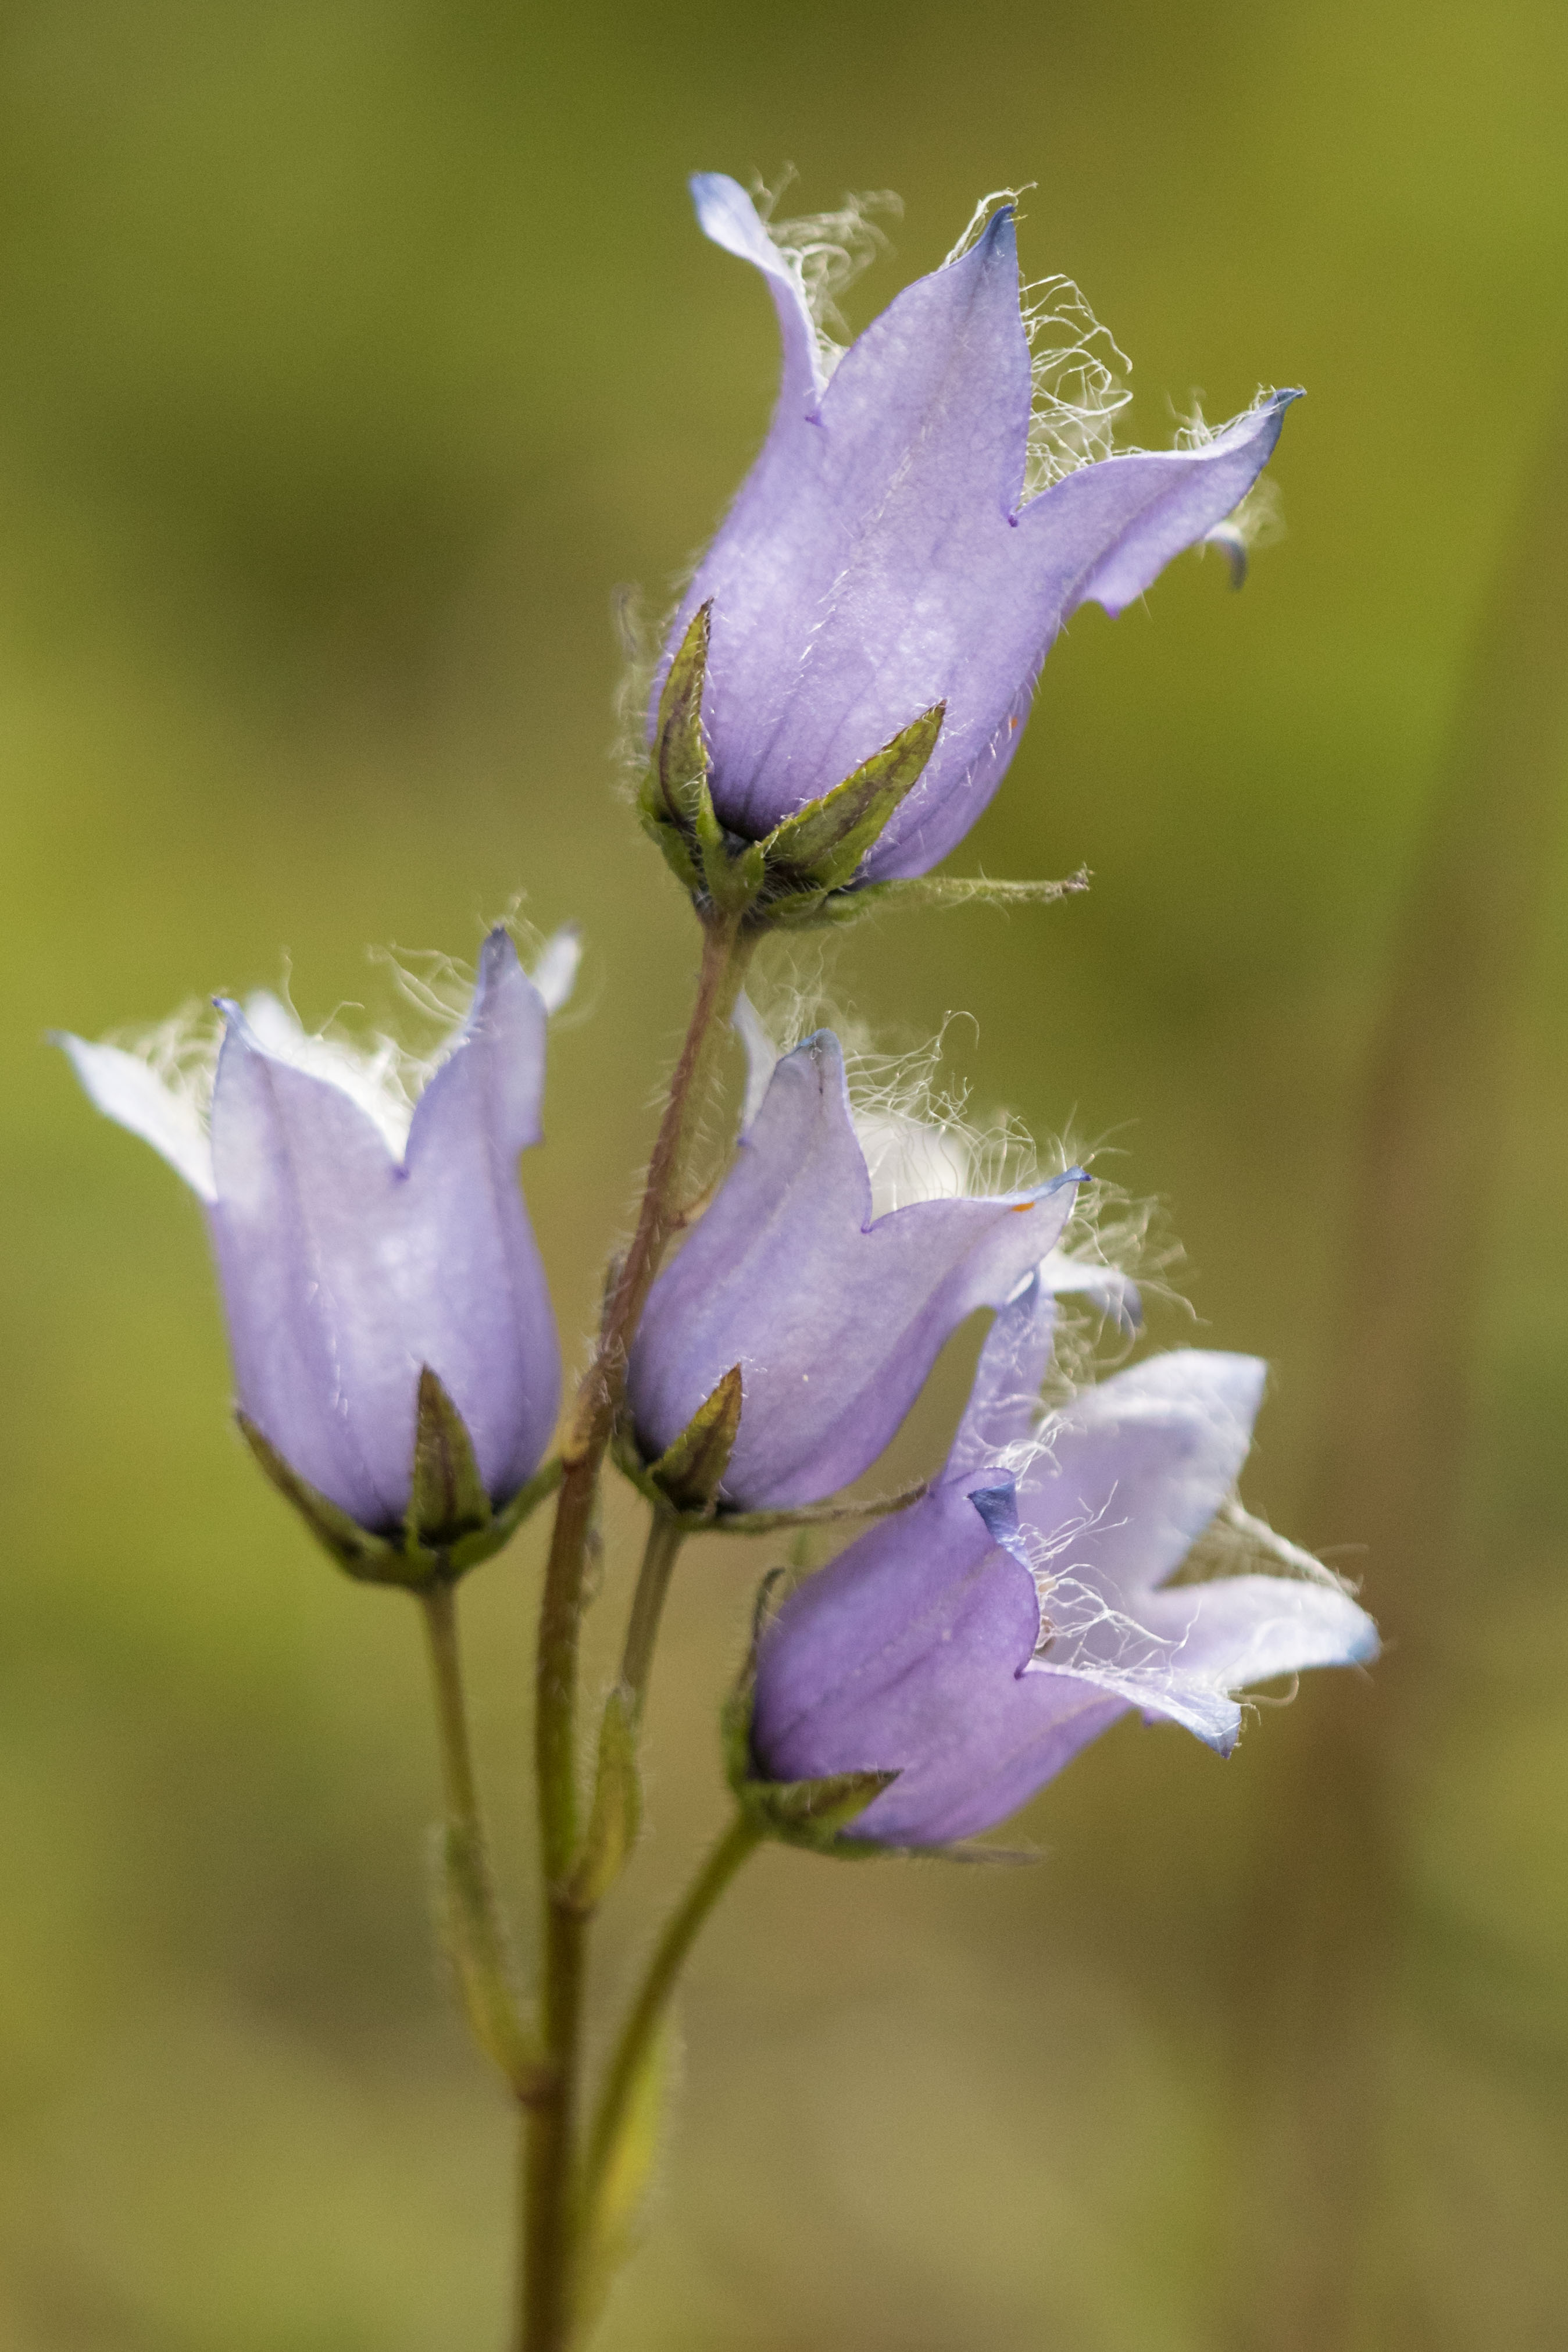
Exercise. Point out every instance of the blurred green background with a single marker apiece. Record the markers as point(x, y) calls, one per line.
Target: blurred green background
point(350, 356)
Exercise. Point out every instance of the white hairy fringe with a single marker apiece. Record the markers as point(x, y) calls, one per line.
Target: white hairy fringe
point(922, 1141)
point(1077, 365)
point(385, 1075)
point(826, 252)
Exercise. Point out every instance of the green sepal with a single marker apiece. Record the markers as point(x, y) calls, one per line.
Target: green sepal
point(370, 1556)
point(716, 1519)
point(617, 1813)
point(817, 1515)
point(672, 846)
point(675, 804)
point(822, 845)
point(443, 1534)
point(687, 1474)
point(812, 1813)
point(839, 908)
point(446, 1497)
point(680, 768)
point(734, 871)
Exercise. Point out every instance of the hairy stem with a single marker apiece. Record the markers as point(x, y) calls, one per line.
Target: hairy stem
point(549, 2222)
point(473, 1919)
point(634, 2047)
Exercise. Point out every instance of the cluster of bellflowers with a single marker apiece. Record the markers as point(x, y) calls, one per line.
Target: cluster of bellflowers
point(837, 700)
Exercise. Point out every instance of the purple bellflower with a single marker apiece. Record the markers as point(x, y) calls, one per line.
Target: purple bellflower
point(837, 1257)
point(915, 530)
point(974, 1644)
point(361, 1236)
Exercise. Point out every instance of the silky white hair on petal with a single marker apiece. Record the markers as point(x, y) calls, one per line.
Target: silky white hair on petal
point(826, 252)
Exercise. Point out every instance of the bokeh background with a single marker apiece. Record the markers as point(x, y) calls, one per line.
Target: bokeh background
point(352, 352)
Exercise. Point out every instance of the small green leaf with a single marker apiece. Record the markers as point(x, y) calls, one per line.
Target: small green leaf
point(822, 845)
point(680, 753)
point(617, 1812)
point(446, 1495)
point(351, 1546)
point(687, 1473)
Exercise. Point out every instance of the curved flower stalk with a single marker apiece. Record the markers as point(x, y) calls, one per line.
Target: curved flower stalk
point(970, 1648)
point(884, 587)
point(380, 1276)
point(830, 1313)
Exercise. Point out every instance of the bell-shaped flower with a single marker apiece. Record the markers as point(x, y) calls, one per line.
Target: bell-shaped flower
point(363, 1237)
point(973, 1644)
point(833, 1303)
point(892, 549)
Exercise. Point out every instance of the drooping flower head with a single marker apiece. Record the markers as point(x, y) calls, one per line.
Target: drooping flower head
point(362, 1237)
point(973, 1645)
point(841, 1252)
point(891, 550)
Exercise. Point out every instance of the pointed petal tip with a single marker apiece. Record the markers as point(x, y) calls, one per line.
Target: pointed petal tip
point(1367, 1648)
point(998, 1508)
point(499, 945)
point(726, 216)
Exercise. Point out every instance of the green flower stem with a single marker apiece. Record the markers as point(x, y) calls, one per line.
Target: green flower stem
point(545, 2318)
point(473, 1919)
point(634, 2049)
point(666, 1537)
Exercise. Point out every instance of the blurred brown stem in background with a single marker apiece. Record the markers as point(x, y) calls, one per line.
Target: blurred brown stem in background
point(1323, 1930)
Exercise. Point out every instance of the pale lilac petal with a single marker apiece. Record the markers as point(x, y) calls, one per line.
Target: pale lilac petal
point(1237, 1631)
point(479, 1312)
point(1101, 535)
point(845, 583)
point(1106, 532)
point(762, 1057)
point(1131, 1473)
point(1004, 1409)
point(1185, 1652)
point(345, 1271)
point(727, 214)
point(125, 1089)
point(305, 1227)
point(835, 1319)
point(1104, 1286)
point(906, 1655)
